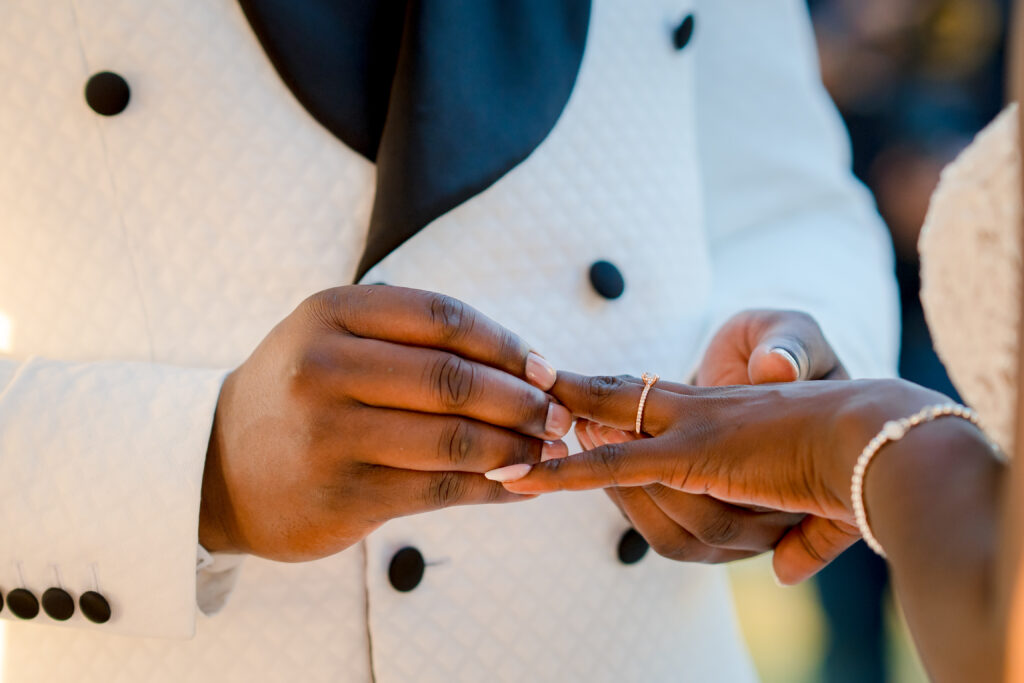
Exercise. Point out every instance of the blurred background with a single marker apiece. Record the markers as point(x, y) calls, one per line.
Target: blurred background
point(915, 80)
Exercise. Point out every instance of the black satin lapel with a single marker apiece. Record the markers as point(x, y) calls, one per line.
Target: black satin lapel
point(338, 58)
point(479, 85)
point(446, 96)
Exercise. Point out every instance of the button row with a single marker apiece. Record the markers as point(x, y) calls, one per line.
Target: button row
point(108, 94)
point(58, 604)
point(408, 566)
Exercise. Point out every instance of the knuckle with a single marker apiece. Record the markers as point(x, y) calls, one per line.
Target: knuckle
point(494, 493)
point(511, 349)
point(676, 548)
point(451, 318)
point(719, 530)
point(446, 489)
point(608, 459)
point(456, 443)
point(600, 390)
point(524, 450)
point(453, 379)
point(327, 307)
point(531, 408)
point(308, 369)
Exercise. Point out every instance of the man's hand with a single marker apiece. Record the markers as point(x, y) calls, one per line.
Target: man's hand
point(762, 347)
point(366, 404)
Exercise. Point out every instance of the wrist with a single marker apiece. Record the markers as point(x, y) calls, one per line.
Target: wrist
point(872, 404)
point(924, 473)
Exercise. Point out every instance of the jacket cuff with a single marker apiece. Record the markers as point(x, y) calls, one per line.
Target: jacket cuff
point(101, 470)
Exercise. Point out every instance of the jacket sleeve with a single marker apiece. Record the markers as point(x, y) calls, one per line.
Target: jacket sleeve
point(789, 225)
point(101, 469)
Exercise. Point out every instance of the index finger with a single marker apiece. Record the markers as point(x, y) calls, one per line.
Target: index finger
point(635, 463)
point(418, 318)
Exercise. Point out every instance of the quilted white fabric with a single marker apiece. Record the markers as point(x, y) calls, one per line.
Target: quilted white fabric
point(970, 274)
point(180, 231)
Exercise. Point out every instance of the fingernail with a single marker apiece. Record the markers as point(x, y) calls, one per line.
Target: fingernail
point(612, 435)
point(508, 474)
point(540, 372)
point(790, 358)
point(778, 582)
point(558, 423)
point(554, 450)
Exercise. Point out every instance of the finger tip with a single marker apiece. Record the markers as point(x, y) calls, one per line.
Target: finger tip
point(509, 474)
point(558, 423)
point(539, 372)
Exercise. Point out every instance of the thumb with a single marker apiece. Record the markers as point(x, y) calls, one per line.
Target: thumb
point(792, 347)
point(778, 360)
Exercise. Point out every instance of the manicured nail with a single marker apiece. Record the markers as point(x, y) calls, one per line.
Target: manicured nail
point(508, 474)
point(554, 450)
point(790, 358)
point(540, 372)
point(778, 582)
point(558, 423)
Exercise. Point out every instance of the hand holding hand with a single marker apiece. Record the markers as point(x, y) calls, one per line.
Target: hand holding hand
point(366, 404)
point(753, 347)
point(785, 447)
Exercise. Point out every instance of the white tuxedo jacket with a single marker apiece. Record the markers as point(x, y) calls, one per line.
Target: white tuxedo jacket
point(144, 255)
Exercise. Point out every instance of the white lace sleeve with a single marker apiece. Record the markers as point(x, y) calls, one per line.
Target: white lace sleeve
point(971, 270)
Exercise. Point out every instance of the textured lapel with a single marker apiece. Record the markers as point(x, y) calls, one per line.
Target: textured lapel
point(445, 95)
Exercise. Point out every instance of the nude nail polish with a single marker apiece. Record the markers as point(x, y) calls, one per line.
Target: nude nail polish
point(553, 450)
point(558, 423)
point(508, 474)
point(540, 372)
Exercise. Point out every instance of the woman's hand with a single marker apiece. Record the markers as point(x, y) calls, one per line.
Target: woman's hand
point(689, 527)
point(753, 347)
point(784, 447)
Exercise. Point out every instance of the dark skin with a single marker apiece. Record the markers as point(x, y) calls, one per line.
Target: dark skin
point(933, 498)
point(690, 527)
point(370, 403)
point(366, 404)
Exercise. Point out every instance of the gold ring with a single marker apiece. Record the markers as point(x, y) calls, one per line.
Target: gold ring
point(649, 381)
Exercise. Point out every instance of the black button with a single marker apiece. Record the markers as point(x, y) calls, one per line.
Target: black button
point(406, 570)
point(607, 280)
point(58, 604)
point(107, 93)
point(682, 35)
point(632, 547)
point(23, 604)
point(95, 607)
point(1, 602)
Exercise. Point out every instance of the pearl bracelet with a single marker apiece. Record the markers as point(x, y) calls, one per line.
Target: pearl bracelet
point(894, 431)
